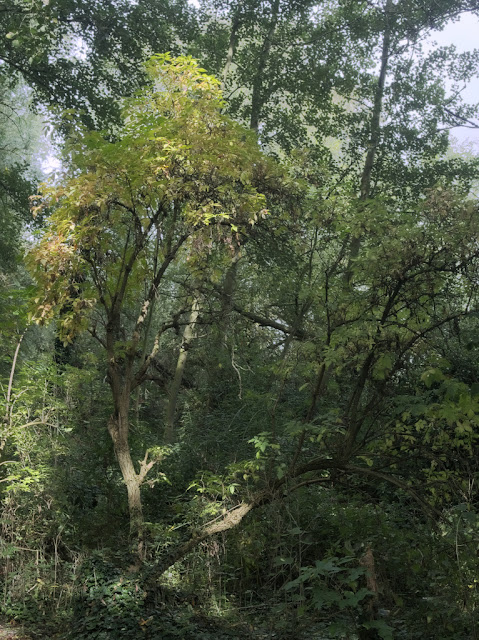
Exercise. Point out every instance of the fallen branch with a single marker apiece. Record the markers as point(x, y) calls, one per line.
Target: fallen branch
point(235, 516)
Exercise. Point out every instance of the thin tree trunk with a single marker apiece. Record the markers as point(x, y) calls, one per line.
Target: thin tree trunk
point(355, 245)
point(150, 313)
point(257, 98)
point(10, 380)
point(229, 521)
point(120, 377)
point(233, 43)
point(365, 188)
point(370, 606)
point(375, 133)
point(189, 335)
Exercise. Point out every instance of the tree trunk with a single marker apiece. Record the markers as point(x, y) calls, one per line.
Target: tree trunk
point(189, 335)
point(10, 380)
point(278, 488)
point(257, 99)
point(365, 188)
point(375, 133)
point(229, 521)
point(118, 428)
point(233, 43)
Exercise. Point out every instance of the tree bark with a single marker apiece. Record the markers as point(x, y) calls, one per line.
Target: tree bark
point(229, 521)
point(118, 428)
point(189, 335)
point(233, 43)
point(257, 99)
point(375, 133)
point(10, 380)
point(365, 187)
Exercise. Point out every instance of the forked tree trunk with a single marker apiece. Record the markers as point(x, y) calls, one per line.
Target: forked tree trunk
point(118, 428)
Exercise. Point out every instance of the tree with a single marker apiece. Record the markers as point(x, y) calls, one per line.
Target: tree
point(282, 62)
point(85, 55)
point(179, 179)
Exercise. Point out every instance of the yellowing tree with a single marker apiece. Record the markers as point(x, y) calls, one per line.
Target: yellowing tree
point(179, 178)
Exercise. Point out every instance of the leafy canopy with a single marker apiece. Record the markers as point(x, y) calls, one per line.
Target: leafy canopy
point(179, 174)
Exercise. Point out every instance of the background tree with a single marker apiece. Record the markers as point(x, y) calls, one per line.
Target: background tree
point(86, 55)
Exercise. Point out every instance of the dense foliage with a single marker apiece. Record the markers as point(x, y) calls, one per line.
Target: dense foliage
point(239, 359)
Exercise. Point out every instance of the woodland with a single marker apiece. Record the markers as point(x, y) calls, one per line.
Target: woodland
point(239, 352)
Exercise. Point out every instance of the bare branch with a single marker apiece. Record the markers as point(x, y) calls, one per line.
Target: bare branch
point(470, 124)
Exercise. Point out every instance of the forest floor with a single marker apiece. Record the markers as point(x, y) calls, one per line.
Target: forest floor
point(10, 632)
point(225, 632)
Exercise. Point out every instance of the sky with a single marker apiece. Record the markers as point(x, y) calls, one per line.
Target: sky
point(464, 34)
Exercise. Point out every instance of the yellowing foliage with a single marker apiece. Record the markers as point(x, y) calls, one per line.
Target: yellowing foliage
point(177, 167)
